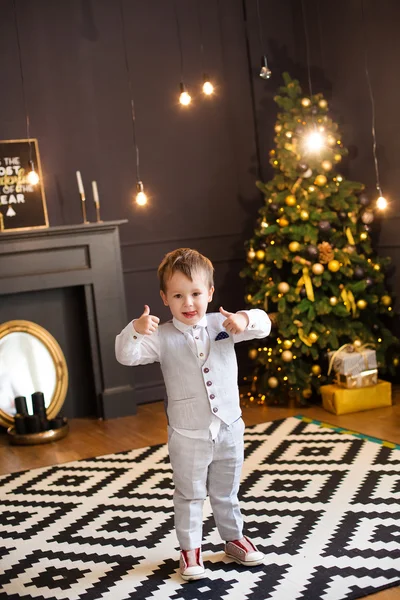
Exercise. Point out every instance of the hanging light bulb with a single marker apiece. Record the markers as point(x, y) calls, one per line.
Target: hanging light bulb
point(141, 197)
point(314, 141)
point(184, 97)
point(381, 203)
point(265, 72)
point(32, 177)
point(208, 87)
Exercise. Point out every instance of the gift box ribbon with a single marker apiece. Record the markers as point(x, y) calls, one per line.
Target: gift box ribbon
point(360, 349)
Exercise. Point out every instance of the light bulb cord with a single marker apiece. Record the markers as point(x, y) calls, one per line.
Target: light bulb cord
point(178, 33)
point(21, 70)
point(303, 10)
point(371, 95)
point(260, 31)
point(133, 114)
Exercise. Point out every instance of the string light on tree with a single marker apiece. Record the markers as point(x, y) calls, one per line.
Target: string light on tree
point(314, 141)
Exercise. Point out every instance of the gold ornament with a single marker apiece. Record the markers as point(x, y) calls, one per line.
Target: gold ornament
point(338, 157)
point(304, 216)
point(294, 246)
point(377, 267)
point(290, 200)
point(316, 370)
point(333, 300)
point(334, 265)
point(253, 353)
point(260, 254)
point(361, 304)
point(249, 298)
point(283, 287)
point(331, 140)
point(307, 393)
point(306, 102)
point(386, 300)
point(287, 344)
point(396, 361)
point(318, 269)
point(363, 235)
point(273, 382)
point(251, 254)
point(323, 103)
point(313, 337)
point(320, 180)
point(278, 128)
point(357, 343)
point(283, 222)
point(327, 165)
point(261, 267)
point(287, 356)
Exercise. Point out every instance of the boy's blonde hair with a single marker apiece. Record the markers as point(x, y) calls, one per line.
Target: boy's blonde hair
point(187, 261)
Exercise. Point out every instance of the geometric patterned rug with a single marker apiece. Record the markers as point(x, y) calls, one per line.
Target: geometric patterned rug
point(322, 503)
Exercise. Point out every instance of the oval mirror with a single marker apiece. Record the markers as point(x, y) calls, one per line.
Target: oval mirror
point(31, 361)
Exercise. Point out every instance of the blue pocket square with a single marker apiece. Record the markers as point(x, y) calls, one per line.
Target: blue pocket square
point(221, 336)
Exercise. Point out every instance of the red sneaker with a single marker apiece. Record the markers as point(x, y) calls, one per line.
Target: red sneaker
point(191, 565)
point(244, 552)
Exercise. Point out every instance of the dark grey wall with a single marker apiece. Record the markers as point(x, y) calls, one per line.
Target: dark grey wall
point(198, 165)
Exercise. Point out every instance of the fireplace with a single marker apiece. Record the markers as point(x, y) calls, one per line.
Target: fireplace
point(77, 266)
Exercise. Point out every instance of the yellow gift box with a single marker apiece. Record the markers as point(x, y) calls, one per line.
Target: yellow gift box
point(339, 400)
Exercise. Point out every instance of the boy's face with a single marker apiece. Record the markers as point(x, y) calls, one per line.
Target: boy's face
point(187, 300)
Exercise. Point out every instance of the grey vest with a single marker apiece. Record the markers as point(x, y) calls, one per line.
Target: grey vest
point(195, 392)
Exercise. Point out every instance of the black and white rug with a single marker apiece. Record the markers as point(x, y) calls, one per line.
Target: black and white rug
point(322, 503)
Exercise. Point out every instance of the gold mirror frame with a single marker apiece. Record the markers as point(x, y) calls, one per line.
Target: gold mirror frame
point(56, 354)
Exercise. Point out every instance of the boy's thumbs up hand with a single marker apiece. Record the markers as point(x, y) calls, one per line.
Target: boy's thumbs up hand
point(234, 322)
point(224, 312)
point(146, 324)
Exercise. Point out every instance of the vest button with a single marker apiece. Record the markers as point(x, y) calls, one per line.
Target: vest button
point(206, 370)
point(201, 354)
point(212, 396)
point(209, 382)
point(215, 409)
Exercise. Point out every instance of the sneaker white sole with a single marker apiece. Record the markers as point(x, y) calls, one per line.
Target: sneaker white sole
point(194, 576)
point(246, 563)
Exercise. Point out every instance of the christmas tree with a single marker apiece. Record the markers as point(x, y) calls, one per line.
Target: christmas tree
point(311, 263)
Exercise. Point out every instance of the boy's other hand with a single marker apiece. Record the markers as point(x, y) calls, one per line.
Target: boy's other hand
point(234, 322)
point(146, 324)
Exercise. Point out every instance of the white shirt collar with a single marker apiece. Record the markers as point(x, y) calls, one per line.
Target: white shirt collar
point(185, 328)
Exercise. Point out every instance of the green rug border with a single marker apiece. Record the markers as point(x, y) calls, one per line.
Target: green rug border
point(362, 436)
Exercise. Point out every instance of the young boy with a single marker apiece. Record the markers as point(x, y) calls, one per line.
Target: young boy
point(205, 428)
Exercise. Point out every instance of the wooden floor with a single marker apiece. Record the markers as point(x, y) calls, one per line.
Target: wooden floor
point(91, 437)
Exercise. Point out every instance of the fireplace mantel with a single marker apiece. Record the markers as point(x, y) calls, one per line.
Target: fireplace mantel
point(85, 255)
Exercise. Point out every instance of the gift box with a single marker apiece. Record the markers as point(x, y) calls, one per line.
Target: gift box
point(338, 400)
point(363, 379)
point(352, 360)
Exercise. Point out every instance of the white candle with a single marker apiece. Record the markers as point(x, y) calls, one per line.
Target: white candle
point(80, 184)
point(95, 193)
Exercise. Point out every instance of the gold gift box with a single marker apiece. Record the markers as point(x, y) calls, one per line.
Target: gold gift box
point(339, 400)
point(363, 379)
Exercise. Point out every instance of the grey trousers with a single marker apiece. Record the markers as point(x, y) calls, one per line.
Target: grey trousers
point(201, 466)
